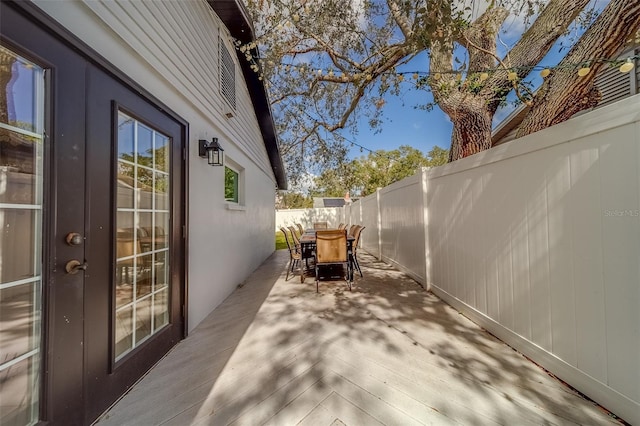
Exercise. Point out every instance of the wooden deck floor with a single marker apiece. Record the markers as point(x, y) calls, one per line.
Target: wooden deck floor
point(388, 352)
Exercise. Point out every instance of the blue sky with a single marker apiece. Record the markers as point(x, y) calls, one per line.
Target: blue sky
point(403, 124)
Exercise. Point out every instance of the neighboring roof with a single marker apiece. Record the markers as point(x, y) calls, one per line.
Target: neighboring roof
point(506, 126)
point(236, 19)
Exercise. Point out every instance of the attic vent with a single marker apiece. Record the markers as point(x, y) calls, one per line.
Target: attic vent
point(227, 74)
point(613, 85)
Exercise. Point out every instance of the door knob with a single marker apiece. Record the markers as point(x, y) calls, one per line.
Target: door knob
point(73, 266)
point(73, 239)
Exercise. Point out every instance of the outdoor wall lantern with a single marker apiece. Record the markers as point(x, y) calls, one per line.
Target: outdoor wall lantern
point(212, 150)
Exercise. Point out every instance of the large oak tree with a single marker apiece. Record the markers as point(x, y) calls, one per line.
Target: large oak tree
point(328, 63)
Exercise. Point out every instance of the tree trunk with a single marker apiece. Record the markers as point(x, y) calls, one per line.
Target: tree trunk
point(472, 113)
point(564, 93)
point(471, 125)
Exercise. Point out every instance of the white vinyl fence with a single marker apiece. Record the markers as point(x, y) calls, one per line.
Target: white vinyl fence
point(333, 215)
point(538, 241)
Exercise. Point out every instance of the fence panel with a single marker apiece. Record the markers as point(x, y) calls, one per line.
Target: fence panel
point(402, 226)
point(538, 240)
point(370, 237)
point(306, 217)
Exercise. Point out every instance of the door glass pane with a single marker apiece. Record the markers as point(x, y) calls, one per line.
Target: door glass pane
point(21, 183)
point(142, 251)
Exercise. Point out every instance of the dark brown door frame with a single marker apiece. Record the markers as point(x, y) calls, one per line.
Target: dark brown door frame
point(35, 35)
point(106, 381)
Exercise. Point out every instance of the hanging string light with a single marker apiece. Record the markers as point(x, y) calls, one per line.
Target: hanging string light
point(627, 66)
point(584, 68)
point(584, 71)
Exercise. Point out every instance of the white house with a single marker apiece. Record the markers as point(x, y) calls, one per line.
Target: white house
point(118, 237)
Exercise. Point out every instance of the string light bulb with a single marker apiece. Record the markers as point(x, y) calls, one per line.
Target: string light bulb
point(584, 71)
point(484, 76)
point(512, 76)
point(545, 73)
point(627, 66)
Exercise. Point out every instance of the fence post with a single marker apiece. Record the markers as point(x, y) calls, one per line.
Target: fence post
point(425, 212)
point(379, 224)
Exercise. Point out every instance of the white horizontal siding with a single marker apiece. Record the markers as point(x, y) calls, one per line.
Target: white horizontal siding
point(180, 41)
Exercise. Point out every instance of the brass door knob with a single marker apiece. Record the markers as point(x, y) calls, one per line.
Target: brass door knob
point(74, 239)
point(73, 266)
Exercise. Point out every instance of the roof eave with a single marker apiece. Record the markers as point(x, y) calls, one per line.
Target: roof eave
point(236, 18)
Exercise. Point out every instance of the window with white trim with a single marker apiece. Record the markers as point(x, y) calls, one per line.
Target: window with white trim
point(233, 183)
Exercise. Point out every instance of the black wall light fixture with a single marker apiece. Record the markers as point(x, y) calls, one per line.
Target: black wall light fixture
point(212, 150)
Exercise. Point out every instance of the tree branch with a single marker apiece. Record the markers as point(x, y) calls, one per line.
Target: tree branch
point(535, 43)
point(564, 93)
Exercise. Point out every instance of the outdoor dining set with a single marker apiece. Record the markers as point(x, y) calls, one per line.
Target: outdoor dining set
point(323, 247)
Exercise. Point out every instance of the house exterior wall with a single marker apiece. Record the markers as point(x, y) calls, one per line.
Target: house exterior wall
point(538, 241)
point(171, 50)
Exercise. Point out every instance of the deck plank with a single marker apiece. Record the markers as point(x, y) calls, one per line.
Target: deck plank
point(389, 352)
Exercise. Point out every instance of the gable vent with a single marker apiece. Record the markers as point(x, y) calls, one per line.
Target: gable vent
point(614, 85)
point(227, 75)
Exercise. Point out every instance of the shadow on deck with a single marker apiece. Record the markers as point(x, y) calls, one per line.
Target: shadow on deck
point(388, 352)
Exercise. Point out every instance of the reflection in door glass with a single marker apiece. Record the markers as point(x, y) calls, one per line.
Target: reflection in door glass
point(21, 183)
point(142, 221)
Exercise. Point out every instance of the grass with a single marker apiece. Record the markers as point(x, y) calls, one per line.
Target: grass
point(280, 241)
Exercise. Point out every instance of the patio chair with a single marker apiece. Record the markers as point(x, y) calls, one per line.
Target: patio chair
point(300, 228)
point(331, 249)
point(354, 247)
point(306, 253)
point(294, 255)
point(320, 225)
point(342, 226)
point(294, 236)
point(352, 230)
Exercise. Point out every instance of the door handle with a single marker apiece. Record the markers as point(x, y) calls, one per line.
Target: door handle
point(73, 266)
point(74, 239)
